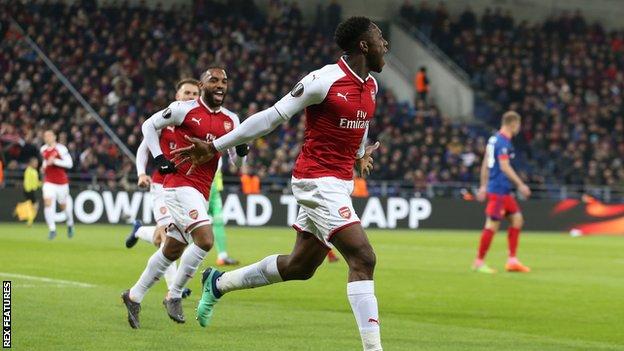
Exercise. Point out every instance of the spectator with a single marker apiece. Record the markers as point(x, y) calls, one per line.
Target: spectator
point(421, 84)
point(407, 11)
point(250, 182)
point(359, 187)
point(31, 185)
point(334, 15)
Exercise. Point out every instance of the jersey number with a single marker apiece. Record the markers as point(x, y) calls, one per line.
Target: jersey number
point(489, 153)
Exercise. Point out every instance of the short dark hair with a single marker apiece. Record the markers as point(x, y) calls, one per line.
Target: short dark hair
point(203, 75)
point(180, 83)
point(349, 32)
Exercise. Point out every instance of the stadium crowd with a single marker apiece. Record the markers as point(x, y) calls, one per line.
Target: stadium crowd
point(125, 60)
point(564, 75)
point(127, 72)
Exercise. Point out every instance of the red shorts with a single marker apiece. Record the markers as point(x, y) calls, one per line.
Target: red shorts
point(499, 206)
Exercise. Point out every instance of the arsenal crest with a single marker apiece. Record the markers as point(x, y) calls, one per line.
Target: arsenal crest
point(193, 214)
point(345, 212)
point(227, 125)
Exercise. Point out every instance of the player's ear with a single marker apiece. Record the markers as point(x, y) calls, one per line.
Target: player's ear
point(364, 46)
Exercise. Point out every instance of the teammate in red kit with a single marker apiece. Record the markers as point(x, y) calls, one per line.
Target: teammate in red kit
point(186, 193)
point(186, 89)
point(339, 102)
point(56, 162)
point(497, 177)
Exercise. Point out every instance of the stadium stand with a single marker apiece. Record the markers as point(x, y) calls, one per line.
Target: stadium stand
point(126, 73)
point(565, 76)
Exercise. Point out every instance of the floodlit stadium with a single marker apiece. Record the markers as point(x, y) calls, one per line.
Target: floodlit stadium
point(312, 175)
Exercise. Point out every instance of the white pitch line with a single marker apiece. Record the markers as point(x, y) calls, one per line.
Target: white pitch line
point(47, 280)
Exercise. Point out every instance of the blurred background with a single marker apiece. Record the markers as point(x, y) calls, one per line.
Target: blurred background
point(453, 68)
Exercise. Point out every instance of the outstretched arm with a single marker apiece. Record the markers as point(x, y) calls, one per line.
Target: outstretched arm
point(308, 91)
point(255, 126)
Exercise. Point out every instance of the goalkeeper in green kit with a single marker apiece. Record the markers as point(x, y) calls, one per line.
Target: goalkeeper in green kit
point(215, 210)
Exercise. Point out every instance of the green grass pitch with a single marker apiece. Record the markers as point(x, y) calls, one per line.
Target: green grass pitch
point(428, 297)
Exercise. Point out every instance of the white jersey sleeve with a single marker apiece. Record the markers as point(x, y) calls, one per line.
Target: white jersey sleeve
point(255, 126)
point(171, 116)
point(141, 158)
point(66, 160)
point(308, 91)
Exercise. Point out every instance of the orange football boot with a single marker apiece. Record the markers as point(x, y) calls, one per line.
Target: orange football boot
point(516, 266)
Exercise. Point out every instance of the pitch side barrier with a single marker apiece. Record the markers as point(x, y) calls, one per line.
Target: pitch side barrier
point(410, 213)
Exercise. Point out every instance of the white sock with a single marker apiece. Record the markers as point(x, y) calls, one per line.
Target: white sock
point(146, 233)
point(189, 262)
point(69, 211)
point(223, 255)
point(48, 213)
point(258, 274)
point(156, 266)
point(170, 273)
point(361, 295)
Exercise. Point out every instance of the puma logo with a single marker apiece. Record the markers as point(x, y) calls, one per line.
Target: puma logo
point(344, 96)
point(373, 320)
point(196, 120)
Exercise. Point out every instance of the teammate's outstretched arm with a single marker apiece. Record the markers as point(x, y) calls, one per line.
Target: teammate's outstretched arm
point(505, 166)
point(202, 151)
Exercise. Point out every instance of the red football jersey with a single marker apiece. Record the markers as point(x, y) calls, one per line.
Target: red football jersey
point(167, 143)
point(55, 173)
point(195, 119)
point(338, 107)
